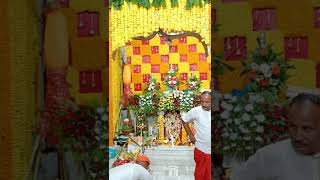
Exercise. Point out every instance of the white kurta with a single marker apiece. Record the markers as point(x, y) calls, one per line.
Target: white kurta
point(278, 161)
point(202, 125)
point(129, 172)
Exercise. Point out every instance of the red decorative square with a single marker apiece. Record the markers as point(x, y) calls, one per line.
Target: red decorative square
point(317, 17)
point(318, 76)
point(64, 3)
point(163, 76)
point(129, 60)
point(88, 24)
point(192, 48)
point(90, 81)
point(183, 39)
point(106, 3)
point(174, 66)
point(155, 49)
point(146, 59)
point(202, 57)
point(264, 19)
point(136, 50)
point(137, 87)
point(164, 58)
point(193, 67)
point(146, 78)
point(163, 40)
point(203, 76)
point(155, 68)
point(183, 58)
point(136, 68)
point(173, 49)
point(145, 42)
point(296, 47)
point(235, 48)
point(83, 24)
point(94, 24)
point(184, 76)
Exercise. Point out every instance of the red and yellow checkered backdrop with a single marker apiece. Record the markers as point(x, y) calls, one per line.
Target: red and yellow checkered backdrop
point(154, 57)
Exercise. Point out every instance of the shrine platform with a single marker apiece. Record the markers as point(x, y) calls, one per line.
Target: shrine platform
point(171, 162)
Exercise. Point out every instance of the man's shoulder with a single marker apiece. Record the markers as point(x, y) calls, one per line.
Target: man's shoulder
point(197, 108)
point(277, 149)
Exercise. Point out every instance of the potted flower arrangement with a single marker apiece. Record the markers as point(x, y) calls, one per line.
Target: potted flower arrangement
point(171, 81)
point(193, 84)
point(268, 72)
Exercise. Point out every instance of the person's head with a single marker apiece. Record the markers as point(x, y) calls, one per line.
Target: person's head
point(304, 123)
point(205, 100)
point(143, 161)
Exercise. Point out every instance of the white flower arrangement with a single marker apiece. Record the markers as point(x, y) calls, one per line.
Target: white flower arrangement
point(186, 101)
point(243, 123)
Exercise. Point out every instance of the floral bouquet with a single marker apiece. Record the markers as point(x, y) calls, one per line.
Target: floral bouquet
point(147, 103)
point(186, 101)
point(268, 72)
point(243, 123)
point(171, 81)
point(193, 84)
point(152, 86)
point(167, 102)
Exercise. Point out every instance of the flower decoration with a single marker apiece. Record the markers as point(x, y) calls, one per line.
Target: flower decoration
point(152, 86)
point(147, 102)
point(132, 21)
point(267, 73)
point(171, 81)
point(166, 103)
point(245, 125)
point(186, 101)
point(193, 84)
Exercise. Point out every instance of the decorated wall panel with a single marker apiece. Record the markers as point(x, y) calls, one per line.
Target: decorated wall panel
point(155, 57)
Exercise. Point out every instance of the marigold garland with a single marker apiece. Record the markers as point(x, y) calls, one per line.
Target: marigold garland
point(132, 21)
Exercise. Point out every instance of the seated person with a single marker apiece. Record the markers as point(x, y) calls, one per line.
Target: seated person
point(132, 171)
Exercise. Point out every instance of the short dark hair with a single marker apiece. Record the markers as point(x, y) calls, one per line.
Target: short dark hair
point(303, 97)
point(206, 93)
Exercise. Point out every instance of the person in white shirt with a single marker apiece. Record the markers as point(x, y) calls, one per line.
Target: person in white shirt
point(296, 158)
point(201, 116)
point(132, 171)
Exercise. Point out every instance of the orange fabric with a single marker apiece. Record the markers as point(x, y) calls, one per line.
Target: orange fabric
point(143, 158)
point(203, 165)
point(204, 67)
point(137, 78)
point(183, 49)
point(155, 58)
point(193, 58)
point(164, 68)
point(145, 50)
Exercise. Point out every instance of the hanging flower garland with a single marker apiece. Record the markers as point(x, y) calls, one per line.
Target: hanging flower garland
point(132, 21)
